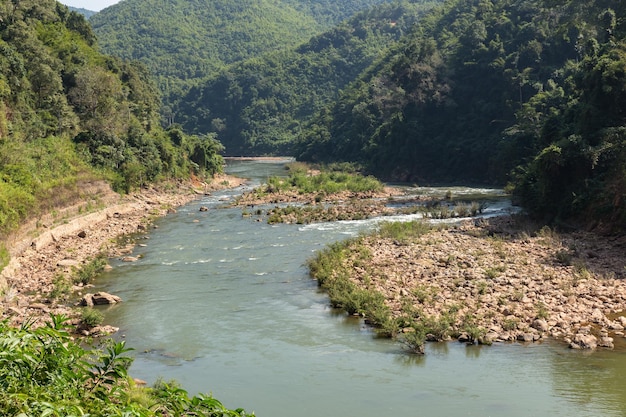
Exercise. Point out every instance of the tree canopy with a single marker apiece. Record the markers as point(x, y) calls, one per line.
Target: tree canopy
point(259, 105)
point(69, 114)
point(182, 41)
point(529, 92)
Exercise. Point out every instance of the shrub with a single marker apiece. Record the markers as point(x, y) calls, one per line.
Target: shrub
point(60, 287)
point(44, 372)
point(415, 340)
point(91, 317)
point(89, 271)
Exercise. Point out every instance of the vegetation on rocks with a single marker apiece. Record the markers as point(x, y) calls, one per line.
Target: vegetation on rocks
point(44, 372)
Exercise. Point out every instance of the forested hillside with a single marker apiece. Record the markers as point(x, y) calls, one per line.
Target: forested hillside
point(84, 12)
point(69, 115)
point(182, 40)
point(259, 105)
point(481, 88)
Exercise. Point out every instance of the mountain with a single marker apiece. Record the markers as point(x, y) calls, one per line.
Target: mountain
point(185, 40)
point(70, 115)
point(259, 106)
point(84, 12)
point(531, 92)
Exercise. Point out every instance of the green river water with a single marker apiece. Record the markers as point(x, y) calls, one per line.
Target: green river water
point(224, 305)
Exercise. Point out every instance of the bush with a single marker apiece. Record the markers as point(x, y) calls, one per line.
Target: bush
point(91, 317)
point(89, 271)
point(44, 372)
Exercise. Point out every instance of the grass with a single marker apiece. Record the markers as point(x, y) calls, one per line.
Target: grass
point(324, 183)
point(86, 273)
point(91, 317)
point(5, 257)
point(61, 287)
point(404, 232)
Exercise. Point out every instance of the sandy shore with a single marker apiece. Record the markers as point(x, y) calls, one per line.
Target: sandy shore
point(57, 244)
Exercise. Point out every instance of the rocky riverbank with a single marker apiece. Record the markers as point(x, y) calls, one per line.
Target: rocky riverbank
point(53, 247)
point(508, 279)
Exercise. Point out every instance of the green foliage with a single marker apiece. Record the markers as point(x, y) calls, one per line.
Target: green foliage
point(404, 232)
point(259, 105)
point(44, 372)
point(61, 287)
point(550, 108)
point(190, 40)
point(91, 317)
point(87, 272)
point(5, 257)
point(325, 183)
point(69, 114)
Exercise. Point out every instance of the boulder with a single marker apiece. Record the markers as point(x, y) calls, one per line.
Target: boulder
point(541, 325)
point(606, 342)
point(99, 298)
point(584, 341)
point(526, 337)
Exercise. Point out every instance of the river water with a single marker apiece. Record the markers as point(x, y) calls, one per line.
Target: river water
point(224, 305)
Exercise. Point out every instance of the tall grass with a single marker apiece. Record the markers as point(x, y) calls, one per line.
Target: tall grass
point(403, 231)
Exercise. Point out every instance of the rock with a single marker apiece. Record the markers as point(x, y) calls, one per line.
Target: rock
point(87, 300)
point(622, 320)
point(139, 382)
point(39, 306)
point(99, 298)
point(541, 325)
point(68, 263)
point(487, 339)
point(606, 342)
point(15, 311)
point(584, 341)
point(464, 337)
point(103, 330)
point(526, 337)
point(597, 316)
point(82, 234)
point(204, 208)
point(130, 259)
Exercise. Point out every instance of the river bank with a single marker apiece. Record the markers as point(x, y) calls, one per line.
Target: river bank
point(56, 245)
point(496, 280)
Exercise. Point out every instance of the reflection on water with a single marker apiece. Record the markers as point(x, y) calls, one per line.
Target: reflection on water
point(224, 304)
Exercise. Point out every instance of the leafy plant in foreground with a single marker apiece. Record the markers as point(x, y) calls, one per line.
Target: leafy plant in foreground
point(44, 372)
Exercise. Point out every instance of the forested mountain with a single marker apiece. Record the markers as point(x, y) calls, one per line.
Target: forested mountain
point(482, 87)
point(183, 40)
point(84, 12)
point(70, 114)
point(259, 105)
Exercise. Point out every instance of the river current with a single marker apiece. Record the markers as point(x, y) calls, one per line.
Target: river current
point(224, 305)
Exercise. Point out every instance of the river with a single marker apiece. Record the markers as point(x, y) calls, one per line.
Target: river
point(224, 305)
